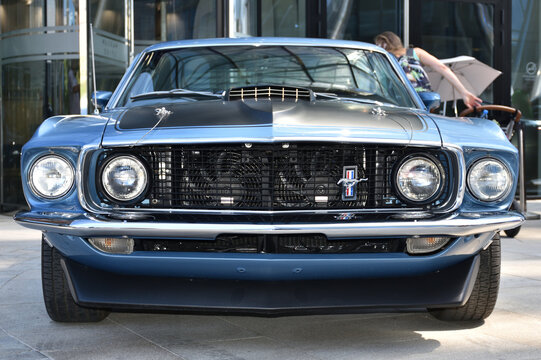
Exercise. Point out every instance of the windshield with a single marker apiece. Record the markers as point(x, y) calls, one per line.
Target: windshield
point(352, 73)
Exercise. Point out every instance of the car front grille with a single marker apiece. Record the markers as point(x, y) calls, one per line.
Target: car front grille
point(274, 176)
point(273, 244)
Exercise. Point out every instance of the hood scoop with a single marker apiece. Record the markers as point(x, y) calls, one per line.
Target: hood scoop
point(268, 92)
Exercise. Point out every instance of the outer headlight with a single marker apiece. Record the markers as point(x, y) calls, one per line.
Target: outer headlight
point(51, 177)
point(419, 179)
point(489, 180)
point(124, 178)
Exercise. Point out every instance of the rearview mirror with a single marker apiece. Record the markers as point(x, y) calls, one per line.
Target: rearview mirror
point(432, 100)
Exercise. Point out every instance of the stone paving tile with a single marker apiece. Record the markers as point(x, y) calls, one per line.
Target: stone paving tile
point(24, 287)
point(131, 351)
point(167, 329)
point(348, 335)
point(523, 301)
point(260, 348)
point(509, 281)
point(13, 349)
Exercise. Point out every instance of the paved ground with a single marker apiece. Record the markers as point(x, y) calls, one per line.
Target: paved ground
point(26, 332)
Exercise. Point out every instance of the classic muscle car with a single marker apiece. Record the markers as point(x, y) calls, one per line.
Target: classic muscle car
point(268, 176)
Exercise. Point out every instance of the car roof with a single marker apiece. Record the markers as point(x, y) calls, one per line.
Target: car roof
point(259, 41)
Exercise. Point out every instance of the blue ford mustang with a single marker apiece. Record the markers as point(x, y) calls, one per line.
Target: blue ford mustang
point(268, 176)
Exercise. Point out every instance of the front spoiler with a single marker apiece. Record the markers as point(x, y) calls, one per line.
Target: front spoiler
point(448, 286)
point(84, 225)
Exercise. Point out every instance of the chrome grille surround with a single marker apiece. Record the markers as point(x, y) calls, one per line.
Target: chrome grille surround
point(278, 177)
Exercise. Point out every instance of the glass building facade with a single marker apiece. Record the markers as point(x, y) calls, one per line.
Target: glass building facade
point(45, 62)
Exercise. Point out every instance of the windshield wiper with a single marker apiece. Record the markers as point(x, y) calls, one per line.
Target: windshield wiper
point(345, 98)
point(174, 92)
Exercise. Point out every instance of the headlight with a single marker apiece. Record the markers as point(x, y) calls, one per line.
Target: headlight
point(124, 178)
point(51, 177)
point(489, 180)
point(419, 179)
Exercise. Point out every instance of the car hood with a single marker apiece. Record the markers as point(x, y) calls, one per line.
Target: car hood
point(267, 120)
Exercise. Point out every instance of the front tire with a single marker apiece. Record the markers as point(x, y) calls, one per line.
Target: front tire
point(512, 232)
point(485, 291)
point(56, 294)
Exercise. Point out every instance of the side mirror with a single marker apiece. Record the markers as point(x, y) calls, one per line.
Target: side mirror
point(432, 100)
point(102, 98)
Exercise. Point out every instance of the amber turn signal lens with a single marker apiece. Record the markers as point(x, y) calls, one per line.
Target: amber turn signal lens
point(113, 245)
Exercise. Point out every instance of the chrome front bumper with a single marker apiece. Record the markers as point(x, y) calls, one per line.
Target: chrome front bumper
point(88, 225)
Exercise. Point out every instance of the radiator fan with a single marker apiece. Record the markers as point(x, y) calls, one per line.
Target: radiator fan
point(224, 179)
point(307, 179)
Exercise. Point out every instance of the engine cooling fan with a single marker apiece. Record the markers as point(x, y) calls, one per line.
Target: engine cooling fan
point(227, 178)
point(306, 179)
point(309, 179)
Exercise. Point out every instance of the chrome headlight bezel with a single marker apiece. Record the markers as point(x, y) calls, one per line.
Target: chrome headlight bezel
point(478, 196)
point(65, 189)
point(418, 156)
point(141, 193)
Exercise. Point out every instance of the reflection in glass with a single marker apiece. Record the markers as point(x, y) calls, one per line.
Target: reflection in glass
point(526, 57)
point(67, 12)
point(276, 18)
point(108, 15)
point(283, 18)
point(17, 14)
point(173, 20)
point(344, 72)
point(244, 18)
point(526, 84)
point(190, 19)
point(23, 107)
point(362, 20)
point(451, 29)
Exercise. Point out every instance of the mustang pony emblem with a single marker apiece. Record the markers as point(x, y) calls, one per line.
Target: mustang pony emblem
point(162, 113)
point(349, 183)
point(378, 111)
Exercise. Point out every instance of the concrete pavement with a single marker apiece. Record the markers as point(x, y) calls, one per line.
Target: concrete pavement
point(513, 331)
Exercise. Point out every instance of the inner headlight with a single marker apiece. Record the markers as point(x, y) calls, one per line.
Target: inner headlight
point(51, 177)
point(489, 180)
point(419, 179)
point(124, 178)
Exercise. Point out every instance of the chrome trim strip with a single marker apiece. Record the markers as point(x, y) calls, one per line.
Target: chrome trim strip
point(79, 174)
point(167, 141)
point(445, 208)
point(461, 181)
point(87, 225)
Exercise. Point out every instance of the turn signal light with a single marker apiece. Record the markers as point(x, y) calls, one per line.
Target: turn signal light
point(113, 245)
point(424, 245)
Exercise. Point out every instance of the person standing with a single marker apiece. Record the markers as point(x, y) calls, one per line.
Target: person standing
point(412, 61)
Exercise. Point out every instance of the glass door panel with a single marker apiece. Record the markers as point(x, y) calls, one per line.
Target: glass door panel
point(454, 28)
point(363, 20)
point(526, 85)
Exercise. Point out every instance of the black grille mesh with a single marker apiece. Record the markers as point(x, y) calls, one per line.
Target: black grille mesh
point(274, 244)
point(272, 176)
